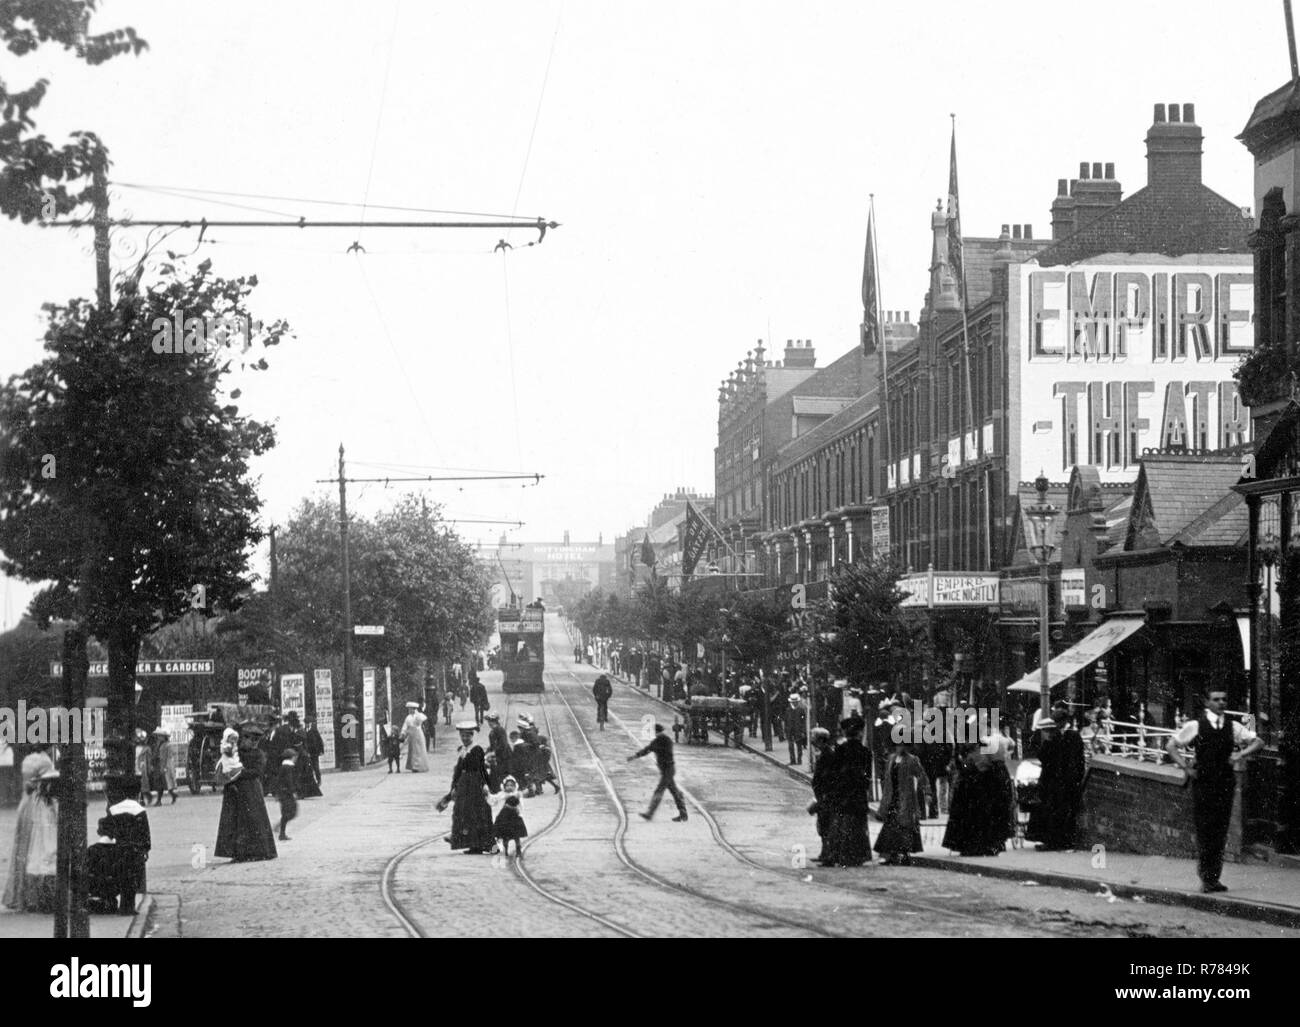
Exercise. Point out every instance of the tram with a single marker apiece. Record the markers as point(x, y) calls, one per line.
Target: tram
point(522, 631)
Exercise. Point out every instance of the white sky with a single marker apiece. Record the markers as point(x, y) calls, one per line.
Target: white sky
point(710, 164)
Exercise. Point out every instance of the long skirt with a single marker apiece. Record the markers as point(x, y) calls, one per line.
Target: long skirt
point(244, 832)
point(898, 835)
point(471, 818)
point(306, 778)
point(417, 760)
point(979, 822)
point(849, 843)
point(15, 893)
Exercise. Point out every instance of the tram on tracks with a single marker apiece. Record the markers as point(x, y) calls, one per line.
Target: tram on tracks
point(523, 653)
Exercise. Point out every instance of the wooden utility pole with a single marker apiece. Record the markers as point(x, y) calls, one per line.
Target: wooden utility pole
point(71, 918)
point(352, 756)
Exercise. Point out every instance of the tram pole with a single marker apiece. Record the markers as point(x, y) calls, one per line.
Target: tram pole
point(352, 759)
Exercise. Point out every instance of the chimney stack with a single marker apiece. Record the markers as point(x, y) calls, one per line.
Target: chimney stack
point(1063, 208)
point(1174, 147)
point(1092, 194)
point(799, 354)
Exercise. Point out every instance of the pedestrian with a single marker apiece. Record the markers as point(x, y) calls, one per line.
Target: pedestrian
point(40, 872)
point(850, 784)
point(589, 653)
point(142, 755)
point(446, 705)
point(127, 824)
point(315, 749)
point(902, 803)
point(478, 697)
point(417, 760)
point(822, 779)
point(499, 749)
point(1060, 785)
point(602, 690)
point(392, 745)
point(796, 727)
point(662, 747)
point(162, 765)
point(285, 788)
point(471, 819)
point(244, 831)
point(1220, 745)
point(979, 820)
point(34, 767)
point(509, 823)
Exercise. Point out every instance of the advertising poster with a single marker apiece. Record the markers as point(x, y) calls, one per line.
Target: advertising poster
point(293, 695)
point(325, 716)
point(175, 721)
point(368, 713)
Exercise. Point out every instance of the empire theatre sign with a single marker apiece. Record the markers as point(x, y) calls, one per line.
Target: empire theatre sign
point(1132, 354)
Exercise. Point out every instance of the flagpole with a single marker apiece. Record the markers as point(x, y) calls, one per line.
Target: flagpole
point(965, 327)
point(882, 404)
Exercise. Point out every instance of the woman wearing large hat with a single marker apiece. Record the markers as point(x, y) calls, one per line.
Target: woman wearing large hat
point(244, 832)
point(471, 820)
point(17, 894)
point(417, 759)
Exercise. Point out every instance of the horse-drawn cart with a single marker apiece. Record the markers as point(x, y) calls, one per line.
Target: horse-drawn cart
point(205, 738)
point(703, 713)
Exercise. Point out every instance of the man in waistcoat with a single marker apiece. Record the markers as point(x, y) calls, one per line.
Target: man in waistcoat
point(1220, 745)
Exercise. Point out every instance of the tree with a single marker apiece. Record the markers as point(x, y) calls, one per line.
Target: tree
point(755, 627)
point(693, 618)
point(126, 481)
point(860, 631)
point(409, 573)
point(37, 178)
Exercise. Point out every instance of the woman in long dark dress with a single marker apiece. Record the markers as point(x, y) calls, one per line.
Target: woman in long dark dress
point(902, 803)
point(850, 789)
point(978, 822)
point(244, 832)
point(471, 820)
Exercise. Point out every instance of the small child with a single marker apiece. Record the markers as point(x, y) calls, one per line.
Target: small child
point(284, 786)
point(229, 766)
point(509, 822)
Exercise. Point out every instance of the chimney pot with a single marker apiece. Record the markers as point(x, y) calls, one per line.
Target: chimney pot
point(1029, 231)
point(1083, 169)
point(1110, 172)
point(1096, 170)
point(1189, 113)
point(1062, 187)
point(1159, 113)
point(907, 315)
point(1006, 229)
point(1173, 112)
point(1015, 231)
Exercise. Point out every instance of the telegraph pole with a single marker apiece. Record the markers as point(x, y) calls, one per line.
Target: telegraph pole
point(352, 747)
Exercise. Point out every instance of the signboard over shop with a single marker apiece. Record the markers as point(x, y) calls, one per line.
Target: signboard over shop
point(145, 668)
point(1115, 358)
point(936, 589)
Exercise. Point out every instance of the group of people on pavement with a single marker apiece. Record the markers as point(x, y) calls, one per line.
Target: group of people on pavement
point(487, 787)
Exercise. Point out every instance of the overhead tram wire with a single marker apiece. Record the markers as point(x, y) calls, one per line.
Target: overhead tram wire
point(196, 193)
point(471, 477)
point(379, 119)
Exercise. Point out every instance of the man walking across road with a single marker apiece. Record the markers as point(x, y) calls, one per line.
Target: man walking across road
point(602, 690)
point(662, 746)
point(796, 727)
point(1214, 778)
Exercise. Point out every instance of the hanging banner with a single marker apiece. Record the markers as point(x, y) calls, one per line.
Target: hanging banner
point(368, 713)
point(293, 695)
point(175, 721)
point(879, 533)
point(325, 716)
point(694, 533)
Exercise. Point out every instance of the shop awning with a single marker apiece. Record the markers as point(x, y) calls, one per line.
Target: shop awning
point(1091, 648)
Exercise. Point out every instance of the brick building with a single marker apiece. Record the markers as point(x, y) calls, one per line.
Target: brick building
point(761, 407)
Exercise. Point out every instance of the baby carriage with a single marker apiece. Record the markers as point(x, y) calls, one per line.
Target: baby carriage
point(1027, 797)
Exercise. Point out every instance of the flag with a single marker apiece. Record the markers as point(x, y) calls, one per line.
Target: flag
point(955, 256)
point(647, 551)
point(692, 534)
point(870, 293)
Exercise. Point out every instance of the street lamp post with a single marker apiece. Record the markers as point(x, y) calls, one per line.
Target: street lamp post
point(1040, 516)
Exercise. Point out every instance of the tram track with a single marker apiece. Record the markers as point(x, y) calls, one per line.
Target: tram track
point(847, 888)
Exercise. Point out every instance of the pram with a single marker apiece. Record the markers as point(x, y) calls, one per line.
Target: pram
point(1027, 797)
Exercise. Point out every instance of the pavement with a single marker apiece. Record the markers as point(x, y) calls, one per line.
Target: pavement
point(1256, 890)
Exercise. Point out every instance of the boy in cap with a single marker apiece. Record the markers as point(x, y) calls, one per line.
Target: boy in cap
point(284, 789)
point(662, 746)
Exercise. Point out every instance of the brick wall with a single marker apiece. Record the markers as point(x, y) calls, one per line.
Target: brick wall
point(1144, 808)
